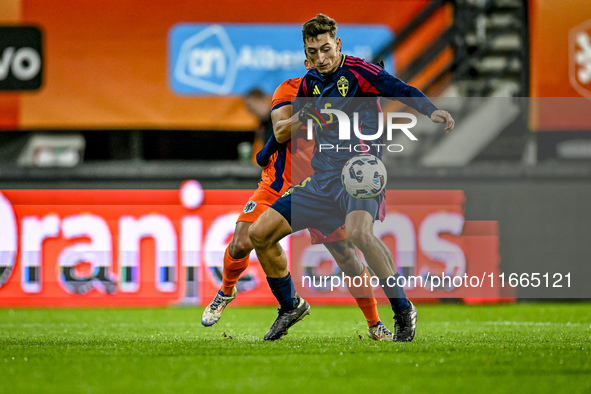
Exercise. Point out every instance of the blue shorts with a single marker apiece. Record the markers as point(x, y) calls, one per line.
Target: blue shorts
point(322, 204)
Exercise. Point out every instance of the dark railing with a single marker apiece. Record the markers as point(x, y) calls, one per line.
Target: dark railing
point(427, 55)
point(465, 16)
point(418, 21)
point(465, 22)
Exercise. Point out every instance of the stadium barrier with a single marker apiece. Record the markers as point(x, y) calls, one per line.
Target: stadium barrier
point(165, 247)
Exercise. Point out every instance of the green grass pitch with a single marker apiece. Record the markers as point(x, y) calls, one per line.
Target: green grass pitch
point(538, 347)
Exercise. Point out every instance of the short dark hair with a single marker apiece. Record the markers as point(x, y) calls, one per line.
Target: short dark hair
point(255, 93)
point(320, 24)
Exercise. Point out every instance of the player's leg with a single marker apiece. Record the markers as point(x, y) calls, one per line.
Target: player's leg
point(236, 255)
point(236, 258)
point(359, 225)
point(346, 257)
point(265, 235)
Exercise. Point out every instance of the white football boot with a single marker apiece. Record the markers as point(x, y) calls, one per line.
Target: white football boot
point(213, 312)
point(379, 332)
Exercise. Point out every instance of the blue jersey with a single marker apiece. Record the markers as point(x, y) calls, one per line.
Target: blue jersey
point(353, 88)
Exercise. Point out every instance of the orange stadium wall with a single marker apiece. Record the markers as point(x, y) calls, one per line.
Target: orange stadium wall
point(105, 61)
point(560, 64)
point(165, 247)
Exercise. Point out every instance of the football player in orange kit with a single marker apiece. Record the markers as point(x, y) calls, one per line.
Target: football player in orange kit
point(277, 176)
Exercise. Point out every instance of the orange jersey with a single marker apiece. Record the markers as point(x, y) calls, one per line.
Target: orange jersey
point(277, 176)
point(283, 168)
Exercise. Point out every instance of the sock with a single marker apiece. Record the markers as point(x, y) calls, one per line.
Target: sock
point(284, 291)
point(369, 307)
point(365, 299)
point(395, 294)
point(233, 268)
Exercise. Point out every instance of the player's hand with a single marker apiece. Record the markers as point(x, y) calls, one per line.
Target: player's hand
point(380, 64)
point(441, 116)
point(309, 111)
point(306, 112)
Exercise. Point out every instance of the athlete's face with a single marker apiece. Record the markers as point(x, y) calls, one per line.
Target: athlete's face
point(324, 52)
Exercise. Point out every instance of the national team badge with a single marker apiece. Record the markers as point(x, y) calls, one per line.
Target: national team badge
point(580, 58)
point(250, 206)
point(343, 86)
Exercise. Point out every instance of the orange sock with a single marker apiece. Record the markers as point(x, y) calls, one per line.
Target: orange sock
point(233, 268)
point(365, 299)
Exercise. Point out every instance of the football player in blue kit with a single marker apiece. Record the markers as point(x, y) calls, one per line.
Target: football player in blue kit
point(351, 85)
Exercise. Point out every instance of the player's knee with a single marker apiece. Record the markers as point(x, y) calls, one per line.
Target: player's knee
point(257, 236)
point(360, 237)
point(240, 247)
point(351, 265)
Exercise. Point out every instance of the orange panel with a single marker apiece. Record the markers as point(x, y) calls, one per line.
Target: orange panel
point(423, 37)
point(105, 61)
point(553, 28)
point(440, 62)
point(556, 33)
point(10, 11)
point(9, 103)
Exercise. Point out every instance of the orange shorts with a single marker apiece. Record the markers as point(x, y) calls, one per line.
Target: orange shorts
point(263, 198)
point(258, 203)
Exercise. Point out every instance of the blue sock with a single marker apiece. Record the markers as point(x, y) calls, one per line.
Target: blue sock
point(284, 291)
point(395, 294)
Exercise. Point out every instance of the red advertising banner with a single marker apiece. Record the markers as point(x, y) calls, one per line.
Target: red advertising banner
point(88, 248)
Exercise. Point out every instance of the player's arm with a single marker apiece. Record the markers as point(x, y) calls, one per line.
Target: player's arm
point(389, 86)
point(284, 123)
point(415, 99)
point(264, 155)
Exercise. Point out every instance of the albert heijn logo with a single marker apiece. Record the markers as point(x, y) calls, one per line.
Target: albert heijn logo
point(233, 58)
point(580, 58)
point(21, 58)
point(205, 61)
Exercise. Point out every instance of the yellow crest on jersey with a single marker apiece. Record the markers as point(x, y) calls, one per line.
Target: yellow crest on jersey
point(343, 86)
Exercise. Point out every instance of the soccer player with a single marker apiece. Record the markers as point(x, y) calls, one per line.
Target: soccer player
point(321, 201)
point(275, 158)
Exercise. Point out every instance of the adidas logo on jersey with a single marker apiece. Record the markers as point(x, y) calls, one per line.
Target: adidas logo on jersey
point(316, 90)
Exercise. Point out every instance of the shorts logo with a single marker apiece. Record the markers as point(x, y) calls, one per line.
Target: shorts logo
point(250, 206)
point(343, 86)
point(316, 90)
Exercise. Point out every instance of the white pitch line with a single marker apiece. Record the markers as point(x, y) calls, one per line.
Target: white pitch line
point(512, 323)
point(534, 323)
